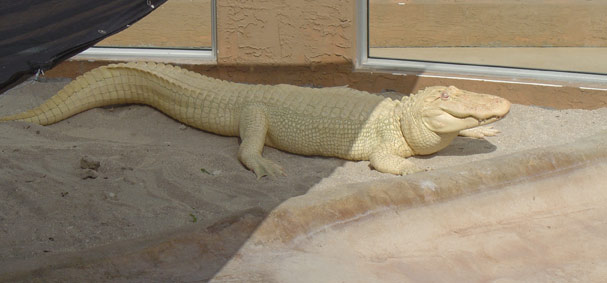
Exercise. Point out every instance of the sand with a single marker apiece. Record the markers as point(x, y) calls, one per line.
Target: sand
point(156, 177)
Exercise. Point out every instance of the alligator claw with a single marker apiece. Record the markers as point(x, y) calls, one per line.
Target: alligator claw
point(264, 167)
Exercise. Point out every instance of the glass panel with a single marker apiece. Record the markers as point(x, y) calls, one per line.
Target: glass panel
point(184, 24)
point(564, 35)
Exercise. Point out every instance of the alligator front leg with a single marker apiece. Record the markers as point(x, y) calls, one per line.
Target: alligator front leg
point(253, 128)
point(385, 161)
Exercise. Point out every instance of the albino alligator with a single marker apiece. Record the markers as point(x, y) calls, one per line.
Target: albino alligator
point(338, 121)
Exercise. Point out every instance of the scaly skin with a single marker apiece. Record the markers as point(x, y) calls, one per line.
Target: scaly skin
point(340, 122)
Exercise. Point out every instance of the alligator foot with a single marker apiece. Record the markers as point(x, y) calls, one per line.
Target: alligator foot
point(264, 167)
point(479, 132)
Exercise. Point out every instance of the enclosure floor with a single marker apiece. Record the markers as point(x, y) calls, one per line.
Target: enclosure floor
point(171, 203)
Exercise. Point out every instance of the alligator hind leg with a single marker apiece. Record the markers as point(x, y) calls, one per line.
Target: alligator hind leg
point(253, 128)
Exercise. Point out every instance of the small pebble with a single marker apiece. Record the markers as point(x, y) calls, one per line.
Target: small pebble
point(86, 162)
point(88, 174)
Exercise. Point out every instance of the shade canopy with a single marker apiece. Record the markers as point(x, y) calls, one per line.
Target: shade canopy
point(36, 35)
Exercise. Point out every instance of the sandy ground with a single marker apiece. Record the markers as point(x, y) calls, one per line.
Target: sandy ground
point(155, 175)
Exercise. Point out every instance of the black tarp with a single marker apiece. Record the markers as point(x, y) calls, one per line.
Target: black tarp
point(39, 34)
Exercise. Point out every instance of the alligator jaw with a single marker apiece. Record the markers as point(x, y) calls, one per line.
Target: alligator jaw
point(489, 120)
point(480, 121)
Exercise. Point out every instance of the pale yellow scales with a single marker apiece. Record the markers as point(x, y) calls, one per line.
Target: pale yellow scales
point(338, 121)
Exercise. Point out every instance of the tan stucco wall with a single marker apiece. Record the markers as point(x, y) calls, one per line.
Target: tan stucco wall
point(287, 32)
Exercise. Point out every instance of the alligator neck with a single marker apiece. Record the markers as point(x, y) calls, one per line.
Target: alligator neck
point(422, 140)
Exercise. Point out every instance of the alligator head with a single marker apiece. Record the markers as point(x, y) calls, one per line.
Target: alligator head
point(449, 109)
point(435, 115)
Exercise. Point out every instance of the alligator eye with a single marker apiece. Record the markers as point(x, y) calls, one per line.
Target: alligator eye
point(444, 95)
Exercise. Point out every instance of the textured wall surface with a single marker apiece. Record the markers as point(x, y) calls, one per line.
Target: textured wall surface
point(285, 32)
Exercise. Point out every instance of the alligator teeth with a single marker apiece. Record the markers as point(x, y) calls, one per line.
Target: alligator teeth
point(492, 118)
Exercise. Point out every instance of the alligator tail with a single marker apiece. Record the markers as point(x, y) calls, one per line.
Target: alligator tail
point(108, 85)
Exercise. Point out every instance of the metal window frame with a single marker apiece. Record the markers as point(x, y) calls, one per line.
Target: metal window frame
point(457, 71)
point(158, 54)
